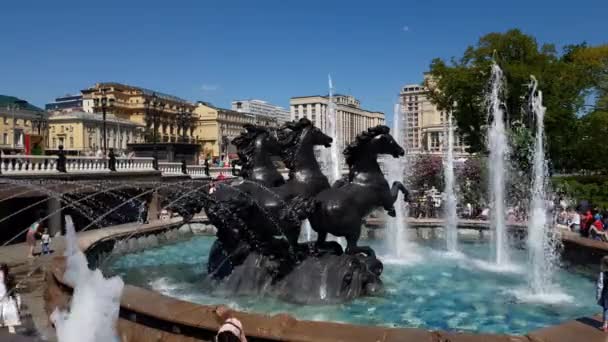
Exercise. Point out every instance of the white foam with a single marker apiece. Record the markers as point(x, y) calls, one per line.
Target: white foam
point(95, 302)
point(497, 268)
point(551, 296)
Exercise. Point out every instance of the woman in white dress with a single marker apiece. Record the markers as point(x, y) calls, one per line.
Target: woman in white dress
point(9, 301)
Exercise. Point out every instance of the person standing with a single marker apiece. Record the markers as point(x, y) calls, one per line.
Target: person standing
point(9, 301)
point(46, 242)
point(601, 294)
point(30, 238)
point(143, 212)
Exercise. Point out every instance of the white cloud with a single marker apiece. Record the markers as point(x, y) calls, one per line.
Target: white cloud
point(209, 87)
point(405, 28)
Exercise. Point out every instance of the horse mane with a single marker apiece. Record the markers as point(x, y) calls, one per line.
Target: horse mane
point(245, 144)
point(289, 138)
point(354, 149)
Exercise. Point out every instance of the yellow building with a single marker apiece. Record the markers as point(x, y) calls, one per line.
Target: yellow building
point(22, 127)
point(81, 133)
point(144, 107)
point(216, 127)
point(426, 126)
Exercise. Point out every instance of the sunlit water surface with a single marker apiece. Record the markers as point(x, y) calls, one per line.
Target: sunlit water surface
point(438, 290)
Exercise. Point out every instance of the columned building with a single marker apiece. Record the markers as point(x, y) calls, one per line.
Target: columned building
point(425, 125)
point(81, 133)
point(267, 111)
point(352, 119)
point(23, 127)
point(216, 127)
point(172, 114)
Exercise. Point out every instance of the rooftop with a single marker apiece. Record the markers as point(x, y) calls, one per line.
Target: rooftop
point(145, 91)
point(6, 101)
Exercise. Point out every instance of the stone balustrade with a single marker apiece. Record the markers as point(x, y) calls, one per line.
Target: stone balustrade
point(27, 164)
point(168, 168)
point(23, 165)
point(134, 164)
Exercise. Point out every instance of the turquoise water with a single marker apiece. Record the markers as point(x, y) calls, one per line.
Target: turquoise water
point(431, 290)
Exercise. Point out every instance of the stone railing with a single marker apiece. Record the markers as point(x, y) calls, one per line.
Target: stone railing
point(134, 164)
point(168, 168)
point(20, 165)
point(27, 164)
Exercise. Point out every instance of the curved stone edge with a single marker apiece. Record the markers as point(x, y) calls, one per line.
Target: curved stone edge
point(150, 316)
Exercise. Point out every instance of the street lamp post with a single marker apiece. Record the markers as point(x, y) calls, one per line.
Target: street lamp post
point(183, 119)
point(155, 106)
point(104, 103)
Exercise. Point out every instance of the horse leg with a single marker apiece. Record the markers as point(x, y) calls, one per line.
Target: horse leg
point(351, 244)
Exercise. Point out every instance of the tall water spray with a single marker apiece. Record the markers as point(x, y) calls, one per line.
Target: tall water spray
point(332, 158)
point(541, 253)
point(95, 302)
point(497, 144)
point(397, 230)
point(451, 218)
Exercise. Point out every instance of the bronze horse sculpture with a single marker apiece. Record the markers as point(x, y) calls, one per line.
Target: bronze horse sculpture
point(340, 210)
point(255, 148)
point(258, 223)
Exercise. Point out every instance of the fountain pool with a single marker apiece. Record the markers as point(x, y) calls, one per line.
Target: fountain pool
point(439, 292)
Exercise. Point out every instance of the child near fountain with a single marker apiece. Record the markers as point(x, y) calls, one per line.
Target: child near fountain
point(45, 242)
point(602, 291)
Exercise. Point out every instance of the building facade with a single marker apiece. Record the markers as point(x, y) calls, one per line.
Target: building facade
point(425, 125)
point(81, 133)
point(144, 107)
point(65, 103)
point(352, 119)
point(216, 127)
point(263, 109)
point(23, 127)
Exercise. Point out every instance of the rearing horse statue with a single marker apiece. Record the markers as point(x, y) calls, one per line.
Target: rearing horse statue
point(340, 210)
point(255, 147)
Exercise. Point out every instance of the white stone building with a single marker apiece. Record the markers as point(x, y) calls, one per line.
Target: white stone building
point(261, 108)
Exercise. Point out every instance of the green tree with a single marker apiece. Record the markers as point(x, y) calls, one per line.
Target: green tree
point(565, 79)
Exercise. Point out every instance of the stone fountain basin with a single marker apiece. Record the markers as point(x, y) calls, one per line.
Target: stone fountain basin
point(147, 315)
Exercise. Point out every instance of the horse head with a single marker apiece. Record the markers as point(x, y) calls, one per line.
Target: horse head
point(301, 137)
point(255, 146)
point(376, 140)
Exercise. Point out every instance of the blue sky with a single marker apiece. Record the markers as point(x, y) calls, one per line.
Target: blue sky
point(218, 51)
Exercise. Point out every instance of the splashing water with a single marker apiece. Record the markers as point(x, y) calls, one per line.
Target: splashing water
point(541, 252)
point(497, 144)
point(397, 230)
point(332, 157)
point(95, 302)
point(451, 219)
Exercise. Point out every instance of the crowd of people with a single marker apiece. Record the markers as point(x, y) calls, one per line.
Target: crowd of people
point(591, 223)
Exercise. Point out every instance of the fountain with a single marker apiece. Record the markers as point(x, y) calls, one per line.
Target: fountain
point(332, 158)
point(95, 302)
point(497, 145)
point(451, 218)
point(397, 229)
point(541, 252)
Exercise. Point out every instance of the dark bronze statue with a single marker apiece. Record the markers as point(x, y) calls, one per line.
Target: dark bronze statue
point(340, 210)
point(255, 148)
point(258, 217)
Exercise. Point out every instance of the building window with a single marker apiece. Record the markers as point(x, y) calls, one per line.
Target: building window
point(71, 142)
point(6, 120)
point(5, 138)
